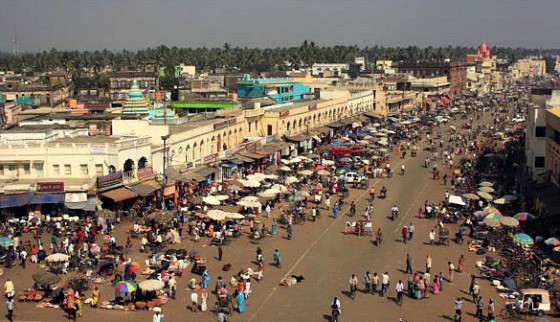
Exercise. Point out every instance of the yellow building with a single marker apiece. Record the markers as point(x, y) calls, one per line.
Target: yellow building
point(552, 162)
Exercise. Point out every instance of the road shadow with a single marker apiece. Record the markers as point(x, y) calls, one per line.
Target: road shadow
point(327, 317)
point(392, 299)
point(347, 293)
point(447, 317)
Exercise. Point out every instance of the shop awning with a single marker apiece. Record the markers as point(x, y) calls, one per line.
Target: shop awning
point(47, 198)
point(9, 201)
point(74, 197)
point(175, 174)
point(199, 174)
point(321, 130)
point(233, 160)
point(145, 188)
point(243, 158)
point(296, 138)
point(271, 148)
point(374, 115)
point(252, 155)
point(336, 125)
point(88, 205)
point(119, 194)
point(349, 121)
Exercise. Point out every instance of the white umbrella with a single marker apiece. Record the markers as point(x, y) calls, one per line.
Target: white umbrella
point(216, 215)
point(256, 176)
point(280, 188)
point(221, 197)
point(291, 179)
point(501, 201)
point(376, 124)
point(486, 184)
point(250, 198)
point(295, 160)
point(485, 195)
point(271, 176)
point(268, 194)
point(234, 215)
point(57, 258)
point(486, 189)
point(151, 285)
point(211, 200)
point(383, 143)
point(390, 132)
point(249, 183)
point(323, 173)
point(327, 162)
point(285, 169)
point(249, 204)
point(234, 188)
point(306, 172)
point(381, 134)
point(285, 161)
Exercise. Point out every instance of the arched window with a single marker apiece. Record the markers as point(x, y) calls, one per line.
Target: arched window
point(142, 163)
point(128, 165)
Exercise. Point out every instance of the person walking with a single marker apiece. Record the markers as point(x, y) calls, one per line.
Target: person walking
point(23, 258)
point(490, 313)
point(410, 231)
point(276, 258)
point(399, 288)
point(428, 263)
point(479, 308)
point(475, 292)
point(451, 270)
point(220, 253)
point(408, 264)
point(404, 233)
point(194, 301)
point(367, 282)
point(10, 306)
point(461, 264)
point(432, 236)
point(458, 303)
point(375, 283)
point(384, 283)
point(172, 286)
point(335, 210)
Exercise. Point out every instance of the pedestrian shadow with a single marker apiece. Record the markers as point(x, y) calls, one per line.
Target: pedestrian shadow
point(402, 270)
point(327, 317)
point(447, 317)
point(347, 293)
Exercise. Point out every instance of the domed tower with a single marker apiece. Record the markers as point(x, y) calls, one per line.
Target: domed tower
point(483, 50)
point(135, 103)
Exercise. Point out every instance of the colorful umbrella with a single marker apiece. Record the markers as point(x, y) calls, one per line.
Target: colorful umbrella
point(523, 239)
point(524, 216)
point(125, 287)
point(490, 210)
point(552, 242)
point(6, 242)
point(134, 267)
point(556, 249)
point(509, 222)
point(493, 215)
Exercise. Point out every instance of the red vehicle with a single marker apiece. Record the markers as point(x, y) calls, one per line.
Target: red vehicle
point(346, 150)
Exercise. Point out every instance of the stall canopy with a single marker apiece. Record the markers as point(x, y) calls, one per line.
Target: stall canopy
point(74, 197)
point(145, 188)
point(296, 138)
point(252, 155)
point(88, 205)
point(176, 175)
point(456, 200)
point(9, 201)
point(200, 174)
point(119, 194)
point(45, 198)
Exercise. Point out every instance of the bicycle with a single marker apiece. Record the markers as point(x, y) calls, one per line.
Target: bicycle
point(335, 313)
point(353, 289)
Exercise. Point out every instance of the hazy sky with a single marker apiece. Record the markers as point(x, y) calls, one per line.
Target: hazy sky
point(133, 24)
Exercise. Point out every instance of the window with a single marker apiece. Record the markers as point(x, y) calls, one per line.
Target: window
point(84, 169)
point(269, 129)
point(26, 169)
point(99, 169)
point(539, 162)
point(540, 131)
point(249, 126)
point(56, 169)
point(67, 169)
point(1, 169)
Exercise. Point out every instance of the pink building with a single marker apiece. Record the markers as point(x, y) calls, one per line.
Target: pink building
point(9, 113)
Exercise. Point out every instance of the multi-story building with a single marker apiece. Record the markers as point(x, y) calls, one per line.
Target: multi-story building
point(329, 70)
point(120, 84)
point(542, 99)
point(552, 164)
point(455, 72)
point(281, 90)
point(529, 67)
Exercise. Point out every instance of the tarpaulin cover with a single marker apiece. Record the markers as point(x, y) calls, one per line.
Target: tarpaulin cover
point(48, 198)
point(9, 201)
point(119, 194)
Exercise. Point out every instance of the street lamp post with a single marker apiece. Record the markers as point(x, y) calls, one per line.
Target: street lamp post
point(164, 138)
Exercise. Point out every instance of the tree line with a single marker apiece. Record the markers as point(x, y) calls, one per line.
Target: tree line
point(242, 59)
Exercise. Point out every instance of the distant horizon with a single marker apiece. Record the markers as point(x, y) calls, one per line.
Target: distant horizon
point(233, 46)
point(135, 24)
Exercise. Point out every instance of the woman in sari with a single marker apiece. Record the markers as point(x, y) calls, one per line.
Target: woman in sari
point(241, 302)
point(274, 227)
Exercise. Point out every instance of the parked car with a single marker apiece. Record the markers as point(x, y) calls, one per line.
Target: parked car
point(353, 177)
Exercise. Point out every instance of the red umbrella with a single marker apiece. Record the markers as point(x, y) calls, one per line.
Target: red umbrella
point(134, 267)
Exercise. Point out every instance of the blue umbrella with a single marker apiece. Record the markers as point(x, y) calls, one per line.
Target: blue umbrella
point(523, 239)
point(6, 241)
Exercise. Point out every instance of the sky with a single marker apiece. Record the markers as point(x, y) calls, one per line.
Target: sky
point(134, 24)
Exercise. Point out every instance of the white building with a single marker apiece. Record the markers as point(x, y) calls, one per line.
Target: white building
point(535, 144)
point(329, 70)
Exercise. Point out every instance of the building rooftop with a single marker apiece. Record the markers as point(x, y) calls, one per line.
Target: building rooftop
point(295, 105)
point(554, 111)
point(203, 104)
point(88, 139)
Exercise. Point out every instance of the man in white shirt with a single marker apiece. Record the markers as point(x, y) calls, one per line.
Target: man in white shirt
point(399, 288)
point(384, 283)
point(194, 301)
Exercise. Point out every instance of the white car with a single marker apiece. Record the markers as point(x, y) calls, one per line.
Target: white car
point(518, 119)
point(353, 177)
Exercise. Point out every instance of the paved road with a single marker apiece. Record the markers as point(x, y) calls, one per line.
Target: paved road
point(327, 258)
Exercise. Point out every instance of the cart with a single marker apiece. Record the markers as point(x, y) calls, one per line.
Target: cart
point(224, 304)
point(359, 228)
point(443, 237)
point(199, 266)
